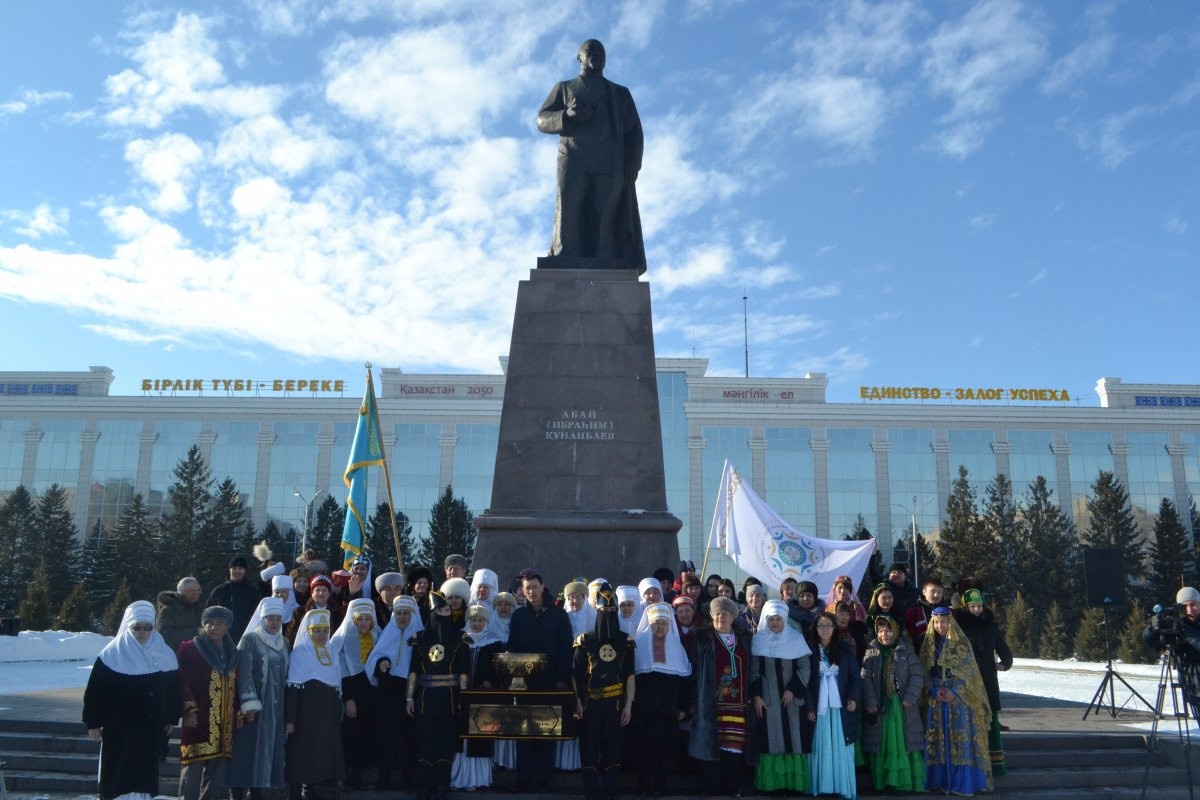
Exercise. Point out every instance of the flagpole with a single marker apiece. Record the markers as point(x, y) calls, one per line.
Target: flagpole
point(387, 478)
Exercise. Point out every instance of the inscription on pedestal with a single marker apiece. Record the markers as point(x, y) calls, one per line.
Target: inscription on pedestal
point(585, 425)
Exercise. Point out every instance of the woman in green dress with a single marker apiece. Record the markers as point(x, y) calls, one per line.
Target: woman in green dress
point(893, 733)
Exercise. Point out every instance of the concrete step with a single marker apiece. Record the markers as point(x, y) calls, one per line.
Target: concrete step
point(1125, 757)
point(21, 741)
point(1072, 741)
point(1093, 776)
point(42, 726)
point(73, 763)
point(18, 780)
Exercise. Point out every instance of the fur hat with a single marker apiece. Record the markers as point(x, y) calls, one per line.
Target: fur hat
point(262, 551)
point(217, 613)
point(456, 587)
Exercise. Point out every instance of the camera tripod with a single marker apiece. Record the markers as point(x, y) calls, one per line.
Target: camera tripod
point(1109, 683)
point(1170, 680)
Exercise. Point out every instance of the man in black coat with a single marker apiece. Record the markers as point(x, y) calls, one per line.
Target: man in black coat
point(540, 627)
point(987, 643)
point(238, 595)
point(903, 591)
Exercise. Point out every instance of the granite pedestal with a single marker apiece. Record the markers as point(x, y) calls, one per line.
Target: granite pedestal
point(579, 486)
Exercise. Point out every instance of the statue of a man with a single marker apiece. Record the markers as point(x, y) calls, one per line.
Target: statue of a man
point(599, 157)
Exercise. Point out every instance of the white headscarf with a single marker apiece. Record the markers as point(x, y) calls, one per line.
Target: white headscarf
point(626, 594)
point(643, 653)
point(308, 663)
point(344, 644)
point(393, 642)
point(480, 578)
point(257, 627)
point(583, 620)
point(485, 636)
point(788, 643)
point(285, 582)
point(499, 625)
point(124, 655)
point(648, 583)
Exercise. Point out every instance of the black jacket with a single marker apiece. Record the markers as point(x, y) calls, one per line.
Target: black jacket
point(987, 643)
point(178, 620)
point(547, 631)
point(241, 598)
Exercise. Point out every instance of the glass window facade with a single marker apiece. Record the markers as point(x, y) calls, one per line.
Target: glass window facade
point(339, 457)
point(474, 464)
point(1030, 456)
point(58, 457)
point(235, 455)
point(912, 472)
point(114, 471)
point(672, 394)
point(171, 445)
point(293, 466)
point(415, 463)
point(1091, 453)
point(789, 481)
point(722, 443)
point(1150, 477)
point(851, 481)
point(1191, 466)
point(973, 450)
point(12, 453)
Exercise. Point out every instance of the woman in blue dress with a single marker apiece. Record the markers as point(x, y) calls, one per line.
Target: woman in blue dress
point(833, 688)
point(957, 720)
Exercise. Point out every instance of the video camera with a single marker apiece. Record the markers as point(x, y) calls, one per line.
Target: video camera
point(1166, 623)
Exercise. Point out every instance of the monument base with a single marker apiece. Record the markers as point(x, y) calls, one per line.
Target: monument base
point(621, 548)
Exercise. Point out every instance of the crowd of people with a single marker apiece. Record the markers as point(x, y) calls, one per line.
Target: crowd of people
point(318, 679)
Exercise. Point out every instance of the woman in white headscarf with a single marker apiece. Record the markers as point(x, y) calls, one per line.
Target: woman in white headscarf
point(504, 751)
point(283, 587)
point(387, 669)
point(485, 585)
point(132, 699)
point(472, 766)
point(262, 678)
point(313, 709)
point(351, 647)
point(662, 672)
point(629, 608)
point(779, 674)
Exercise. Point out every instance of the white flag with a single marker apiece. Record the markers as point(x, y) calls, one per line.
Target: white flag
point(761, 543)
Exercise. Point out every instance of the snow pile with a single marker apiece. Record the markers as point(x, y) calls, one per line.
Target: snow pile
point(51, 646)
point(1077, 681)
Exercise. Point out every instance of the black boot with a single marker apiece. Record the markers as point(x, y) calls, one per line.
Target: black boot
point(591, 783)
point(611, 782)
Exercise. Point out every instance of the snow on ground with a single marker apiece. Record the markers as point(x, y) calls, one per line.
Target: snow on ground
point(36, 661)
point(1077, 681)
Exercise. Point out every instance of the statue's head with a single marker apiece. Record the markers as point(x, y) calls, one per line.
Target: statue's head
point(591, 56)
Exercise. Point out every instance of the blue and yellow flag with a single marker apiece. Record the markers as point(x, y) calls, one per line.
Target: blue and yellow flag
point(367, 451)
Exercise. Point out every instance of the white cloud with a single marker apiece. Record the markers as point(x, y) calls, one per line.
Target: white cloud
point(41, 221)
point(819, 292)
point(758, 242)
point(976, 340)
point(975, 61)
point(842, 363)
point(1038, 278)
point(125, 334)
point(168, 164)
point(1175, 225)
point(178, 69)
point(636, 20)
point(982, 222)
point(1084, 61)
point(30, 98)
point(823, 249)
point(673, 184)
point(271, 144)
point(700, 265)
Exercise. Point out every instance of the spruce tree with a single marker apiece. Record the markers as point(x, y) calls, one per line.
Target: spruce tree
point(1019, 629)
point(325, 535)
point(35, 611)
point(1052, 644)
point(451, 530)
point(1003, 528)
point(18, 550)
point(182, 532)
point(116, 610)
point(76, 613)
point(1089, 638)
point(380, 545)
point(226, 521)
point(131, 548)
point(1047, 556)
point(874, 573)
point(1170, 556)
point(964, 544)
point(1110, 524)
point(927, 560)
point(57, 542)
point(1130, 648)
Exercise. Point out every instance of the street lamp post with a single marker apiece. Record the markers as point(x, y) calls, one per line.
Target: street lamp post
point(913, 511)
point(307, 516)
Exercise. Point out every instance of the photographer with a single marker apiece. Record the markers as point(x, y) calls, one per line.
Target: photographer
point(1179, 626)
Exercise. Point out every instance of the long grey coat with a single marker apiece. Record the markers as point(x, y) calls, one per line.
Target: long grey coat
point(781, 730)
point(258, 747)
point(910, 679)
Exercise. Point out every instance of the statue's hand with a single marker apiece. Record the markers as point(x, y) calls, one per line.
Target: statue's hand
point(578, 113)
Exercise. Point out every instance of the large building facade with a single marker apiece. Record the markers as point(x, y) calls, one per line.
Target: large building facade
point(823, 466)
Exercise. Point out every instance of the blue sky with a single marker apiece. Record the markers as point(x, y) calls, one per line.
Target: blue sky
point(954, 193)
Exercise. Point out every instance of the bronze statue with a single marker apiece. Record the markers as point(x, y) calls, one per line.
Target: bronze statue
point(599, 157)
